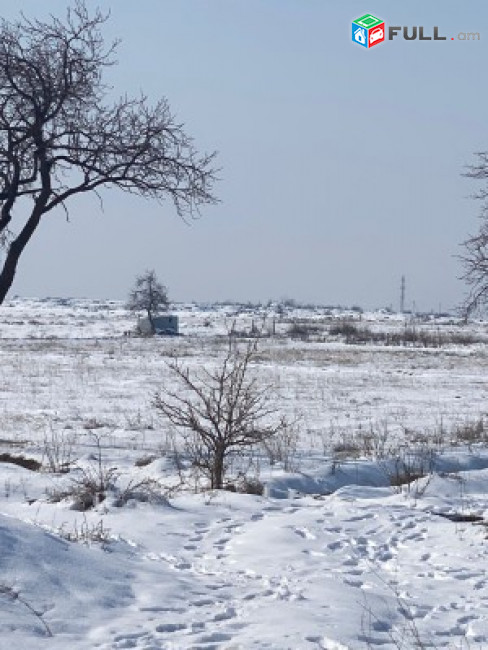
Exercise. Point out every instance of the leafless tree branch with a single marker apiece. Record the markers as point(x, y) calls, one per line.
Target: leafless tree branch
point(474, 259)
point(60, 135)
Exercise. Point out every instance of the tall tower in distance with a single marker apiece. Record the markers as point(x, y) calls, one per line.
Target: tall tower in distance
point(402, 295)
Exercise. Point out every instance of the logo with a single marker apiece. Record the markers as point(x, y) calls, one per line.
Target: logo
point(368, 31)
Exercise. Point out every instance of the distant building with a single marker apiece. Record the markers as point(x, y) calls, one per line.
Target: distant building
point(164, 325)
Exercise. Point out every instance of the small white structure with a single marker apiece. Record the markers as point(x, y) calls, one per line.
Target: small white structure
point(166, 325)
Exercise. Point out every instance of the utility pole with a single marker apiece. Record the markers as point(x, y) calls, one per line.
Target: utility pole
point(402, 295)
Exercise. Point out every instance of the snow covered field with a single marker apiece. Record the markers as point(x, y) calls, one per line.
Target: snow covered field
point(335, 554)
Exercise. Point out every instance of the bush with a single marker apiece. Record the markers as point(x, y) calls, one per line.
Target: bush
point(410, 336)
point(303, 331)
point(85, 533)
point(470, 433)
point(220, 413)
point(57, 452)
point(90, 486)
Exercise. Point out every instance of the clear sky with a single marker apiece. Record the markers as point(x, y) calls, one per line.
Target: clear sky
point(341, 167)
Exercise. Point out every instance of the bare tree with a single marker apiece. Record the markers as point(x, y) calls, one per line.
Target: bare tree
point(148, 295)
point(221, 411)
point(475, 257)
point(60, 135)
point(475, 264)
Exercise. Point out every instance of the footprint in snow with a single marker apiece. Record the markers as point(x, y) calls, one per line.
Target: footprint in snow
point(202, 602)
point(360, 517)
point(130, 636)
point(462, 574)
point(290, 510)
point(214, 637)
point(181, 565)
point(467, 619)
point(385, 555)
point(305, 533)
point(156, 609)
point(371, 531)
point(352, 582)
point(405, 525)
point(307, 551)
point(226, 615)
point(334, 529)
point(171, 627)
point(133, 640)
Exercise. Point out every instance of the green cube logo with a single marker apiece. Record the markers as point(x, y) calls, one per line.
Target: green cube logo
point(368, 30)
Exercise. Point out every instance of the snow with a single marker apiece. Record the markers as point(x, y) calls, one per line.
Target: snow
point(332, 556)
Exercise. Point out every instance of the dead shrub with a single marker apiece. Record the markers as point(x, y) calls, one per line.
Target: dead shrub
point(57, 453)
point(147, 490)
point(410, 336)
point(85, 533)
point(304, 330)
point(89, 486)
point(470, 433)
point(408, 466)
point(246, 486)
point(282, 448)
point(220, 413)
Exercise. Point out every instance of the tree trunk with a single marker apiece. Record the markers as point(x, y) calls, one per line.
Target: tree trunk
point(217, 478)
point(15, 251)
point(151, 322)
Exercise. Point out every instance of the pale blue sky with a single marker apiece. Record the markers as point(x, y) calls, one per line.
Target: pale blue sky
point(340, 166)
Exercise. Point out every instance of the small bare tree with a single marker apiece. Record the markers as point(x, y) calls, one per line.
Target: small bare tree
point(220, 412)
point(148, 295)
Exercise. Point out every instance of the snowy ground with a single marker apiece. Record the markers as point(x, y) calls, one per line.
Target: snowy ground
point(330, 557)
